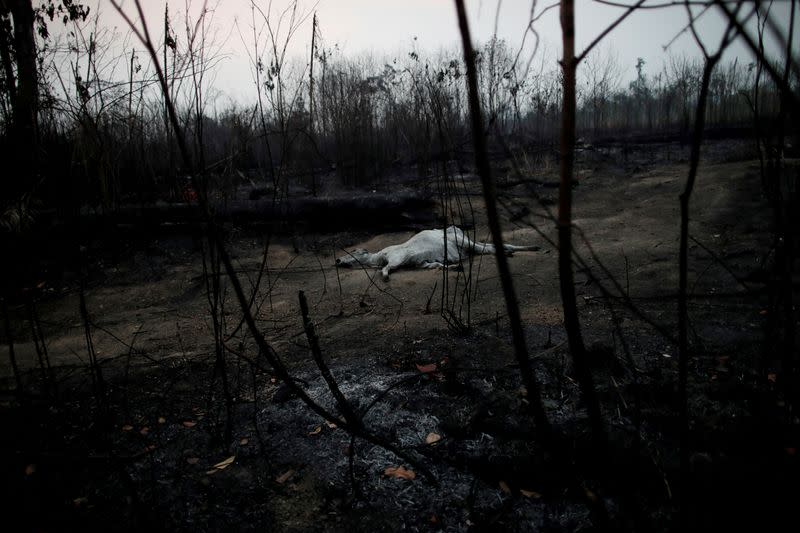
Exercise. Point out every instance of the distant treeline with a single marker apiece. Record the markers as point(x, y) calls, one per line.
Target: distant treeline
point(104, 137)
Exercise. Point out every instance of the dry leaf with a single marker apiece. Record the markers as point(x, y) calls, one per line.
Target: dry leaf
point(773, 377)
point(30, 469)
point(504, 487)
point(283, 478)
point(532, 494)
point(211, 472)
point(427, 369)
point(161, 420)
point(189, 424)
point(83, 500)
point(400, 473)
point(192, 460)
point(127, 427)
point(432, 438)
point(317, 431)
point(144, 431)
point(331, 425)
point(244, 442)
point(226, 463)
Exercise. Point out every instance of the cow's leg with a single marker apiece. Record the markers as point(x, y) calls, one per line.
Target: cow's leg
point(510, 248)
point(391, 265)
point(458, 267)
point(476, 246)
point(486, 248)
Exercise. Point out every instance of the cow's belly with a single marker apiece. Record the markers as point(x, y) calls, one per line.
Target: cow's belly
point(427, 247)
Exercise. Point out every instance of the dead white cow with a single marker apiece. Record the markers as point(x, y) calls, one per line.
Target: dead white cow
point(432, 248)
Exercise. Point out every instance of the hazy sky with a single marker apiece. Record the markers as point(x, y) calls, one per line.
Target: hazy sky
point(388, 27)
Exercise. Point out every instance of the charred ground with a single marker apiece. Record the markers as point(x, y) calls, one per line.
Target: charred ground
point(145, 455)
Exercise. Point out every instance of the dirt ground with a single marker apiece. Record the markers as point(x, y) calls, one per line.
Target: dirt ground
point(153, 462)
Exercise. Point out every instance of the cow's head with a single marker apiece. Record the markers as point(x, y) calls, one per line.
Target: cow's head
point(357, 257)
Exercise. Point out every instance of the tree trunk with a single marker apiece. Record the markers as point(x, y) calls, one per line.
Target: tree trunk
point(24, 128)
point(683, 283)
point(493, 217)
point(565, 274)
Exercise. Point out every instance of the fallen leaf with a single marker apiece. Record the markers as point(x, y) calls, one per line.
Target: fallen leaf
point(161, 420)
point(192, 460)
point(283, 478)
point(668, 356)
point(504, 487)
point(317, 431)
point(763, 312)
point(189, 424)
point(127, 427)
point(83, 500)
point(432, 438)
point(433, 519)
point(30, 469)
point(331, 425)
point(211, 472)
point(400, 473)
point(226, 463)
point(244, 442)
point(151, 447)
point(532, 494)
point(427, 369)
point(144, 431)
point(772, 376)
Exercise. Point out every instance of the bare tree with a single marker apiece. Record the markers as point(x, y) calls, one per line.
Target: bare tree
point(711, 60)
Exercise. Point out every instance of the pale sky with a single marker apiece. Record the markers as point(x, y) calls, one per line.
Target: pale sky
point(388, 28)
